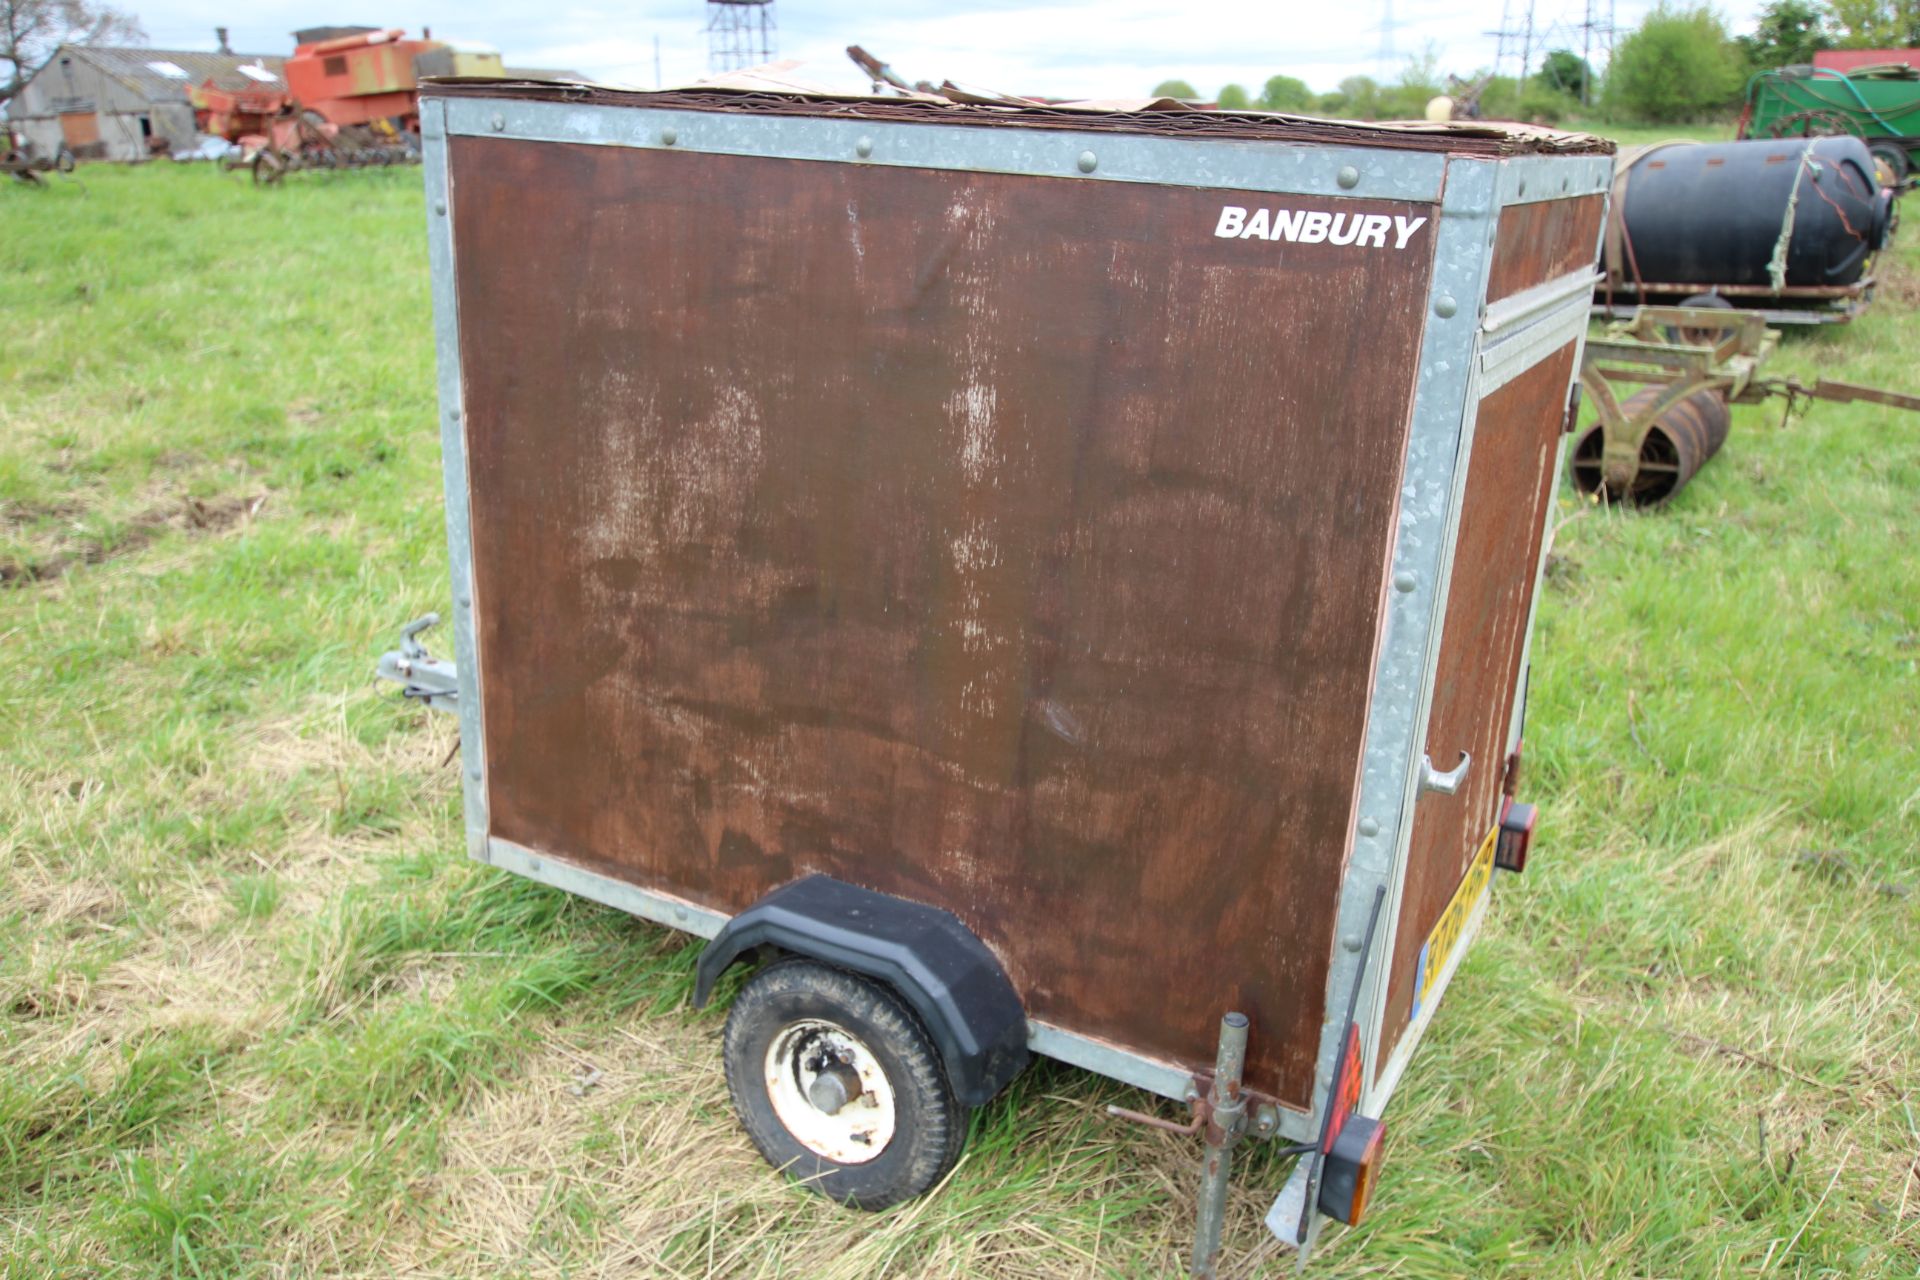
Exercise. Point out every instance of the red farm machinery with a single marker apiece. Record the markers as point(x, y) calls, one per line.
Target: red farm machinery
point(350, 100)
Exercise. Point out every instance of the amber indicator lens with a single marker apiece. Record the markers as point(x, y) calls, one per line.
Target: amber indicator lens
point(1347, 1181)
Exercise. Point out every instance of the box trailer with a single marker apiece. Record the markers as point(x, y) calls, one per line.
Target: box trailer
point(1033, 580)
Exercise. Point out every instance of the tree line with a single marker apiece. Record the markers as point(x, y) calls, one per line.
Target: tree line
point(1681, 63)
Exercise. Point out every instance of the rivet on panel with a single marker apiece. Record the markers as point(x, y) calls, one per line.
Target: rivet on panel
point(669, 136)
point(499, 122)
point(454, 414)
point(440, 206)
point(1348, 177)
point(1444, 306)
point(1369, 827)
point(1405, 580)
point(863, 148)
point(1351, 942)
point(474, 774)
point(1088, 162)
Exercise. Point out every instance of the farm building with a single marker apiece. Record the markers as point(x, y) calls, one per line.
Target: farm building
point(124, 104)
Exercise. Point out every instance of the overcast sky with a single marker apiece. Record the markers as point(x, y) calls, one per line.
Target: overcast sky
point(1063, 48)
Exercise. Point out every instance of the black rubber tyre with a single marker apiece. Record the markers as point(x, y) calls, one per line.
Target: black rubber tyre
point(1894, 156)
point(1697, 337)
point(930, 1125)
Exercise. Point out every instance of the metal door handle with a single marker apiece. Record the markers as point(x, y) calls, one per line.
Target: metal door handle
point(1431, 779)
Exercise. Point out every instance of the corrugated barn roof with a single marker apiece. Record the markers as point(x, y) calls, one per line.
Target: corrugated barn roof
point(165, 75)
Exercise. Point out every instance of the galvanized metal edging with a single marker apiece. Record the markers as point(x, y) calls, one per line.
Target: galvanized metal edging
point(648, 904)
point(1163, 1078)
point(1558, 317)
point(1526, 179)
point(1509, 311)
point(1431, 486)
point(1381, 1077)
point(453, 455)
point(1536, 339)
point(1403, 673)
point(1284, 168)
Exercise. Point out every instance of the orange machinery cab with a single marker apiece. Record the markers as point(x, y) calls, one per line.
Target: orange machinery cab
point(359, 78)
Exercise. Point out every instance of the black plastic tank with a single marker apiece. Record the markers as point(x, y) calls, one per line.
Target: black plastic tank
point(1711, 213)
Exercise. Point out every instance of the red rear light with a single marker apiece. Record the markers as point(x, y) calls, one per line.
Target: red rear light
point(1346, 1090)
point(1516, 835)
point(1346, 1183)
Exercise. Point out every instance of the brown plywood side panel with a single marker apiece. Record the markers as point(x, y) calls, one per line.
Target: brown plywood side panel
point(1510, 477)
point(1543, 241)
point(1013, 545)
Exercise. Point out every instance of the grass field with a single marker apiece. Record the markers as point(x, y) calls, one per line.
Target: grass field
point(260, 1017)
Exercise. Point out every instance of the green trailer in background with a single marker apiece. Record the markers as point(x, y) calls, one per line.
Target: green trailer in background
point(1879, 104)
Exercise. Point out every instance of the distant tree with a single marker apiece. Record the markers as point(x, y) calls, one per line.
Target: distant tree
point(1357, 98)
point(1876, 24)
point(1284, 93)
point(1541, 105)
point(1175, 89)
point(1234, 97)
point(1419, 83)
point(1677, 65)
point(30, 30)
point(1500, 100)
point(1788, 34)
point(1564, 71)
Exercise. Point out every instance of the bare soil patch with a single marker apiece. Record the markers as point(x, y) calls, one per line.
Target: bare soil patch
point(189, 514)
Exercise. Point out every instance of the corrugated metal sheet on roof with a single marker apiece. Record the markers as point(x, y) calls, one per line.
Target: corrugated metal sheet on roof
point(165, 75)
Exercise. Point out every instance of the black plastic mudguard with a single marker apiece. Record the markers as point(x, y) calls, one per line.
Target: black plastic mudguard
point(935, 962)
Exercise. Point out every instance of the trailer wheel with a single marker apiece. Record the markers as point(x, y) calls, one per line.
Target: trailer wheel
point(839, 1085)
point(1692, 336)
point(1894, 159)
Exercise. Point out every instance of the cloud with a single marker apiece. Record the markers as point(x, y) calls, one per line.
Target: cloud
point(1067, 48)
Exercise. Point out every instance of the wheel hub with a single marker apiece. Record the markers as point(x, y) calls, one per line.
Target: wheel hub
point(834, 1088)
point(830, 1092)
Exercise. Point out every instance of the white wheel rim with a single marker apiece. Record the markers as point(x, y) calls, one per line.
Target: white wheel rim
point(861, 1129)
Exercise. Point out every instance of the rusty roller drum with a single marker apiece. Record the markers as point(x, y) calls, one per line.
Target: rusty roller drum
point(1677, 444)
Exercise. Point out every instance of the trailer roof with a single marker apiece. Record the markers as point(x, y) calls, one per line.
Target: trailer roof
point(1165, 117)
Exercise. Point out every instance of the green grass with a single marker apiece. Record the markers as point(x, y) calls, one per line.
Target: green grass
point(1642, 135)
point(259, 1017)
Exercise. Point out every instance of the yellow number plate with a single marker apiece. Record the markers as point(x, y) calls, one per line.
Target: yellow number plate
point(1445, 938)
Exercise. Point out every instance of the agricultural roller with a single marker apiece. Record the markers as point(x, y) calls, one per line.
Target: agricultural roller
point(1692, 363)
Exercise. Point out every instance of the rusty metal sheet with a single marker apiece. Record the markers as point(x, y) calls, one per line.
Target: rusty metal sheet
point(1014, 545)
point(1510, 476)
point(1543, 241)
